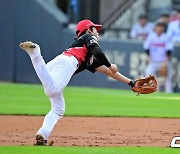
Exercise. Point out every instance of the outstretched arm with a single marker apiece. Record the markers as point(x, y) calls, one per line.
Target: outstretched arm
point(117, 76)
point(139, 86)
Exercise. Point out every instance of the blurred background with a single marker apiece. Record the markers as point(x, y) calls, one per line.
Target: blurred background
point(51, 23)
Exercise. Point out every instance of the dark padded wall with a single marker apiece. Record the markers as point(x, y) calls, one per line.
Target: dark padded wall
point(22, 20)
point(7, 39)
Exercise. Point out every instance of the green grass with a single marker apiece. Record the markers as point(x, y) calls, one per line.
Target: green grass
point(85, 150)
point(30, 100)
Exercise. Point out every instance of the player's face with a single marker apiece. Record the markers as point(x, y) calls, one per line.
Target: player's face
point(95, 32)
point(159, 30)
point(143, 21)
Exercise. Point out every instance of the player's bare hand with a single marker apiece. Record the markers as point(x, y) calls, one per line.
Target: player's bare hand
point(113, 68)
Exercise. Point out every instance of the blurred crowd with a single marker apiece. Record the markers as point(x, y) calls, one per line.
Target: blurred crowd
point(143, 27)
point(159, 39)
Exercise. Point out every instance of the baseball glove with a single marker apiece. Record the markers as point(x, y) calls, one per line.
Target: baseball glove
point(145, 85)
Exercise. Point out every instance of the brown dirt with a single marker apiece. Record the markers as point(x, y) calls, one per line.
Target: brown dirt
point(91, 131)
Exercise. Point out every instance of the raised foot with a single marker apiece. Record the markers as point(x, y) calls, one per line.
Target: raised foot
point(28, 46)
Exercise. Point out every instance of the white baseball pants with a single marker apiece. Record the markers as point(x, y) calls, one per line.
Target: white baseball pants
point(152, 69)
point(54, 77)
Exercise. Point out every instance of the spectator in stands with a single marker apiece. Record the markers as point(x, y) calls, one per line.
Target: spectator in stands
point(158, 48)
point(173, 15)
point(164, 18)
point(142, 28)
point(173, 30)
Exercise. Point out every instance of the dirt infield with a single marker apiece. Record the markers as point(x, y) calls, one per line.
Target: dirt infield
point(91, 131)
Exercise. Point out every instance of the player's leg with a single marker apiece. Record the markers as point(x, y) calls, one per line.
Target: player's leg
point(61, 68)
point(151, 68)
point(53, 80)
point(50, 120)
point(168, 80)
point(40, 66)
point(50, 87)
point(54, 77)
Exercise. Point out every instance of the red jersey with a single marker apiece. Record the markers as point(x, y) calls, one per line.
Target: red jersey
point(88, 53)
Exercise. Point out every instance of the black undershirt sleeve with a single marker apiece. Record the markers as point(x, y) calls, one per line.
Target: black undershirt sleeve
point(168, 53)
point(94, 48)
point(147, 52)
point(96, 51)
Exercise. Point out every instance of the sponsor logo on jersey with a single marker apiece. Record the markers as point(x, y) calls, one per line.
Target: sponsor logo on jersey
point(91, 59)
point(93, 40)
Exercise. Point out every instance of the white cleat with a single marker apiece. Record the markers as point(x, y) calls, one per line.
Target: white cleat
point(30, 47)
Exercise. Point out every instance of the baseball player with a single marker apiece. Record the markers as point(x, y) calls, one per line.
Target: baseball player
point(84, 53)
point(158, 48)
point(141, 29)
point(173, 30)
point(165, 19)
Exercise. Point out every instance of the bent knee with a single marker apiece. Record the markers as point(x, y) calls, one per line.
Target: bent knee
point(52, 92)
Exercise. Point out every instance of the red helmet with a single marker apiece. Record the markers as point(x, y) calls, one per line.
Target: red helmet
point(84, 25)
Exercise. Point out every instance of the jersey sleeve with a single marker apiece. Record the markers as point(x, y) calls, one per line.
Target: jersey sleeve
point(170, 31)
point(133, 31)
point(147, 42)
point(169, 45)
point(94, 65)
point(89, 40)
point(94, 48)
point(91, 68)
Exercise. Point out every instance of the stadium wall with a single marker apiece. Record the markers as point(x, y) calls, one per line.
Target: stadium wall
point(23, 20)
point(20, 22)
